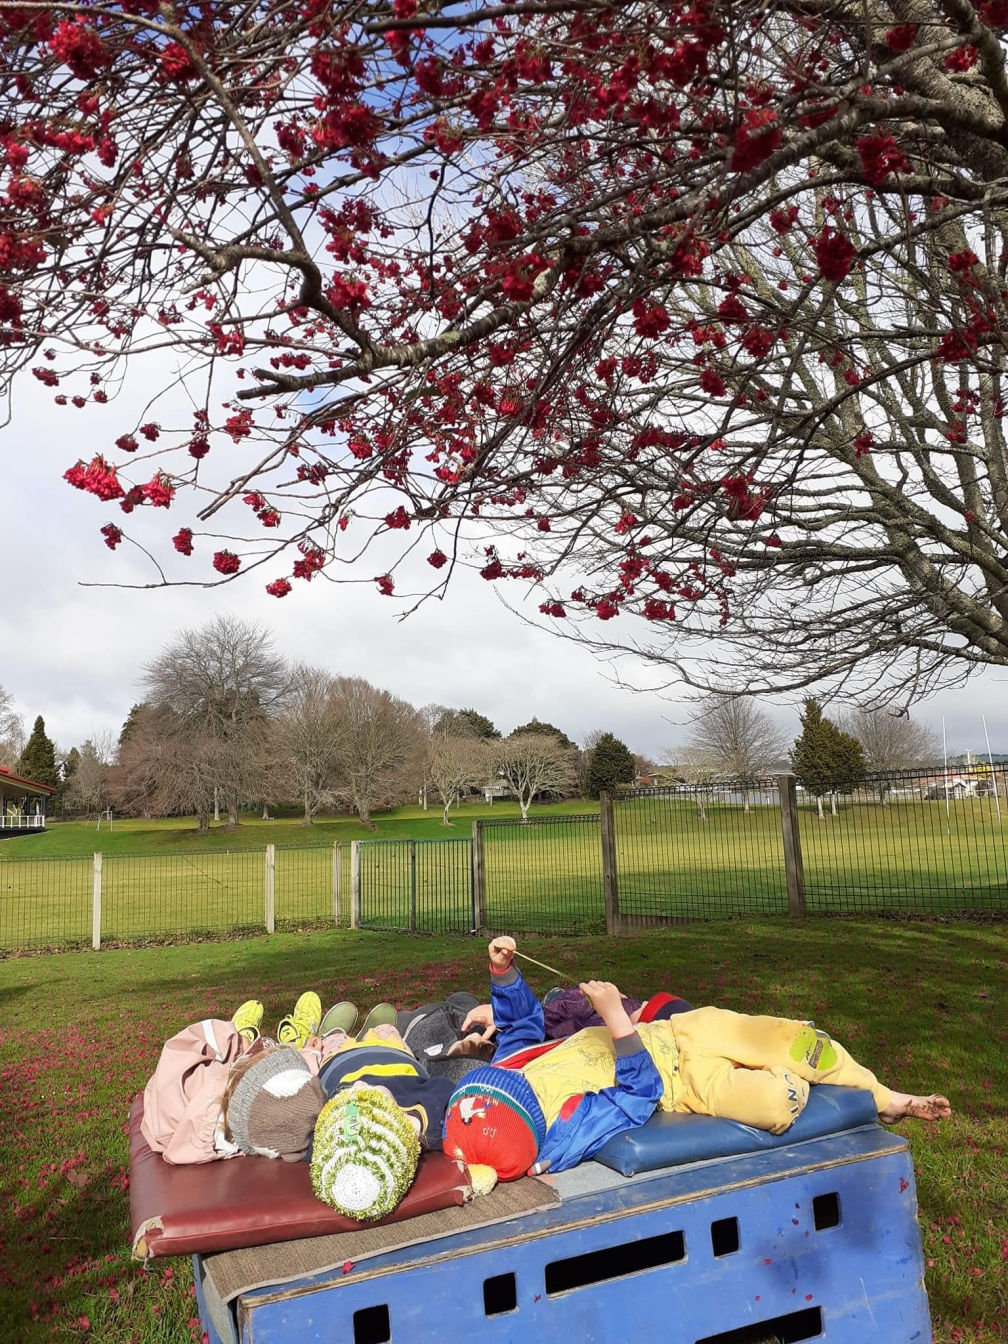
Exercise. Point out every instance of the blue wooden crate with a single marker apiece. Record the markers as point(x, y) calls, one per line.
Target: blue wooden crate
point(815, 1240)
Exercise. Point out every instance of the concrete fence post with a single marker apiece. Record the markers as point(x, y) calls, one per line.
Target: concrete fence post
point(610, 877)
point(337, 881)
point(478, 879)
point(96, 885)
point(270, 889)
point(355, 884)
point(794, 871)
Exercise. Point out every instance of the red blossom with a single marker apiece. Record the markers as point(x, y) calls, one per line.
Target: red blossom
point(97, 478)
point(880, 156)
point(182, 541)
point(127, 443)
point(650, 319)
point(278, 588)
point(112, 534)
point(150, 431)
point(386, 585)
point(437, 559)
point(902, 37)
point(77, 45)
point(834, 254)
point(712, 383)
point(226, 562)
point(398, 519)
point(159, 491)
point(755, 140)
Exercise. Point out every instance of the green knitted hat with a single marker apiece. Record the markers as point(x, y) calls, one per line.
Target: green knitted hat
point(365, 1153)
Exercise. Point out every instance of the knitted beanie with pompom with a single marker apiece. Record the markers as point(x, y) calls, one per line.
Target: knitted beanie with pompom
point(494, 1119)
point(365, 1153)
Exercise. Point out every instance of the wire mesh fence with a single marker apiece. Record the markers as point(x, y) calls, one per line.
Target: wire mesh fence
point(691, 852)
point(903, 843)
point(45, 902)
point(419, 885)
point(543, 875)
point(909, 842)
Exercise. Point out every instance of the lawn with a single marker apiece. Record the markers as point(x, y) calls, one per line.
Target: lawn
point(79, 1033)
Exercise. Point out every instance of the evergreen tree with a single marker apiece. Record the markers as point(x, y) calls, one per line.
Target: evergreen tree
point(826, 760)
point(465, 723)
point(132, 719)
point(612, 763)
point(547, 730)
point(38, 760)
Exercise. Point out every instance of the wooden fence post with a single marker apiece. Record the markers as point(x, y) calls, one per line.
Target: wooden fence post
point(610, 878)
point(478, 879)
point(96, 903)
point(794, 871)
point(270, 901)
point(337, 882)
point(355, 884)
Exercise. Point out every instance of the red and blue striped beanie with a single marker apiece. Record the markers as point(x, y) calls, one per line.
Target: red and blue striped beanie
point(494, 1119)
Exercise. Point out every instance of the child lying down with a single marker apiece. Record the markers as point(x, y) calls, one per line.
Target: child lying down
point(356, 1107)
point(542, 1107)
point(359, 1107)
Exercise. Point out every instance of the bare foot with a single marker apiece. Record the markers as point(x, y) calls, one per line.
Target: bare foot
point(904, 1105)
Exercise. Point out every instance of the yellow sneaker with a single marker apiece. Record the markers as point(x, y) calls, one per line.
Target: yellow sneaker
point(248, 1018)
point(303, 1021)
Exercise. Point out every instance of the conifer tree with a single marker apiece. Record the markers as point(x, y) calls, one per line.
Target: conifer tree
point(38, 760)
point(612, 763)
point(826, 760)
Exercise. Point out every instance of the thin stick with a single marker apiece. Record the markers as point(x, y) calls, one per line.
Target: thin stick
point(564, 975)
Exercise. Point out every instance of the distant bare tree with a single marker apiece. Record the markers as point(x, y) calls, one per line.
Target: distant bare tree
point(455, 762)
point(308, 737)
point(164, 769)
point(535, 763)
point(891, 741)
point(697, 768)
point(742, 737)
point(220, 682)
point(88, 787)
point(12, 733)
point(379, 735)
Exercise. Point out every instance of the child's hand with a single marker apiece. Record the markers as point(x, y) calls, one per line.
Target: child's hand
point(607, 1001)
point(502, 952)
point(480, 1017)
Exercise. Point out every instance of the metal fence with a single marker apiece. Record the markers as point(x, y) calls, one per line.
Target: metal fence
point(420, 885)
point(903, 843)
point(699, 853)
point(541, 876)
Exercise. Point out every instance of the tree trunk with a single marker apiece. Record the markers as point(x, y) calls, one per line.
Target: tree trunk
point(832, 803)
point(822, 816)
point(444, 814)
point(307, 809)
point(216, 803)
point(524, 803)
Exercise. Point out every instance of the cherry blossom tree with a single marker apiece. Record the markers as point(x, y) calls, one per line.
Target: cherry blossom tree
point(685, 318)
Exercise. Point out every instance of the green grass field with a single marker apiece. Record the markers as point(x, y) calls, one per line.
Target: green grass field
point(162, 880)
point(922, 1004)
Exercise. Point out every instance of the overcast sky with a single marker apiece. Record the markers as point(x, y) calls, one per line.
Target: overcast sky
point(74, 653)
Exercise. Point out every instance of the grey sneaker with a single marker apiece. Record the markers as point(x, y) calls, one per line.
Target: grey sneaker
point(341, 1016)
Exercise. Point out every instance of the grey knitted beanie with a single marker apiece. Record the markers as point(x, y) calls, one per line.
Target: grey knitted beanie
point(273, 1109)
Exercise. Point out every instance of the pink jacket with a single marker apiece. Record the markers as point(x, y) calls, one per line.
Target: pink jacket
point(182, 1099)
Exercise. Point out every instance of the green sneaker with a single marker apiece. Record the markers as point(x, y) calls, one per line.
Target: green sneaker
point(341, 1016)
point(248, 1018)
point(381, 1015)
point(303, 1021)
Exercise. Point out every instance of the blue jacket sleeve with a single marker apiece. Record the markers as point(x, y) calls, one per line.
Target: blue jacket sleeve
point(517, 1013)
point(600, 1115)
